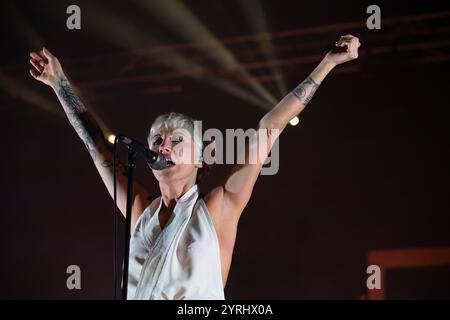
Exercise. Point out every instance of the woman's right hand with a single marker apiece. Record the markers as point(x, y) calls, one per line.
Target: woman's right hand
point(47, 68)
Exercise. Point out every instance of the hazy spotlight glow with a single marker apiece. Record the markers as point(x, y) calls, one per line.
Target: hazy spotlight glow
point(170, 13)
point(257, 20)
point(133, 38)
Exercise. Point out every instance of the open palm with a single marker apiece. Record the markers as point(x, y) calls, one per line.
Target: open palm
point(47, 68)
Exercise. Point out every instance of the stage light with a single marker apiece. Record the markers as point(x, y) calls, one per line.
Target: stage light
point(294, 121)
point(256, 18)
point(19, 90)
point(170, 13)
point(151, 49)
point(111, 138)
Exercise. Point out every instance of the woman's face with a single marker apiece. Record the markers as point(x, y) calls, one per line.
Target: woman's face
point(177, 146)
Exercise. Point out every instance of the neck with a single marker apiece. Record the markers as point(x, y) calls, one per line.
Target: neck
point(171, 192)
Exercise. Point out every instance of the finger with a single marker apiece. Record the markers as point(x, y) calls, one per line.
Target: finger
point(36, 56)
point(34, 74)
point(356, 43)
point(344, 39)
point(337, 49)
point(350, 40)
point(48, 54)
point(340, 43)
point(356, 40)
point(354, 48)
point(344, 43)
point(36, 65)
point(348, 37)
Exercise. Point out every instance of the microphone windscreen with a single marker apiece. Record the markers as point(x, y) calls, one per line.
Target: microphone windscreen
point(159, 164)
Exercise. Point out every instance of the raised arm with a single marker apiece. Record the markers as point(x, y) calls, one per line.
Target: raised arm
point(48, 70)
point(238, 187)
point(294, 103)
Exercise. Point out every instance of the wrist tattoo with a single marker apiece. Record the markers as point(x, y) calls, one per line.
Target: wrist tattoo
point(305, 90)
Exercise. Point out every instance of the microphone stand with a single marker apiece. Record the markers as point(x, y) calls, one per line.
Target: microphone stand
point(131, 165)
point(159, 162)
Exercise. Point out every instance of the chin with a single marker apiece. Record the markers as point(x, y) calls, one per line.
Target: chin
point(173, 173)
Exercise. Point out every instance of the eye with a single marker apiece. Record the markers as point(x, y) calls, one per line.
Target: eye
point(157, 141)
point(177, 139)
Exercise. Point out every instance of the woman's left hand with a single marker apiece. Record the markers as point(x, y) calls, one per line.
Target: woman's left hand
point(349, 45)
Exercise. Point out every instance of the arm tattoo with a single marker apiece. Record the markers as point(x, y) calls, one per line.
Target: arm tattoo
point(120, 167)
point(81, 120)
point(305, 90)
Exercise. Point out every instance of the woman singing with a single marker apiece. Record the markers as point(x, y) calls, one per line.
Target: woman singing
point(182, 244)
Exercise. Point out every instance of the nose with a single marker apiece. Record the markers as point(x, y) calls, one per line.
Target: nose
point(165, 147)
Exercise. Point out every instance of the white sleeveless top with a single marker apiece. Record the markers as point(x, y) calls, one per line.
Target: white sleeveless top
point(181, 261)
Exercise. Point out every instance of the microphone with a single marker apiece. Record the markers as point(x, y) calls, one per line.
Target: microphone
point(154, 159)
